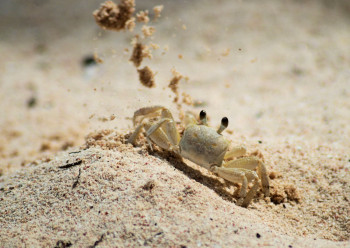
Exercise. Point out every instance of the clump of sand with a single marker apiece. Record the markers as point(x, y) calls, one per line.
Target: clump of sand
point(174, 84)
point(142, 16)
point(146, 77)
point(157, 11)
point(148, 30)
point(107, 16)
point(110, 16)
point(116, 17)
point(174, 87)
point(282, 192)
point(139, 52)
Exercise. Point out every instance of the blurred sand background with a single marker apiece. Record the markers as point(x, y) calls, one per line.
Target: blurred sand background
point(280, 71)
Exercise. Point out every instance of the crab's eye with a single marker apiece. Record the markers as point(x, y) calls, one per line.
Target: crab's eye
point(223, 126)
point(224, 122)
point(203, 117)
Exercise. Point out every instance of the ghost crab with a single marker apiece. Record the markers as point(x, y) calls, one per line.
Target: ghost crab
point(204, 146)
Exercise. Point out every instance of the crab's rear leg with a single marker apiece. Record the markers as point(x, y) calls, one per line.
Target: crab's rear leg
point(243, 176)
point(250, 163)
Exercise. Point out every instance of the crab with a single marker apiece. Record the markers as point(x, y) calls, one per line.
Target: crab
point(204, 146)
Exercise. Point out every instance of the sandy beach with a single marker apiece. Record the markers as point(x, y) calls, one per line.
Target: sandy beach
point(280, 73)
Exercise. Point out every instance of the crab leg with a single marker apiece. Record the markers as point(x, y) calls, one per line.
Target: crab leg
point(167, 138)
point(251, 193)
point(190, 119)
point(243, 176)
point(237, 151)
point(251, 163)
point(170, 128)
point(147, 112)
point(132, 139)
point(162, 132)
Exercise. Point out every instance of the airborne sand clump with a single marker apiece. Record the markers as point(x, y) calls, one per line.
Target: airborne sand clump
point(116, 17)
point(146, 77)
point(148, 31)
point(139, 52)
point(142, 16)
point(157, 10)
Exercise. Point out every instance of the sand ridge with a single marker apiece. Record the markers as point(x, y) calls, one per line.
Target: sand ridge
point(114, 194)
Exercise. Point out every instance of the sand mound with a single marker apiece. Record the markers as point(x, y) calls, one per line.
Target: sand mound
point(111, 194)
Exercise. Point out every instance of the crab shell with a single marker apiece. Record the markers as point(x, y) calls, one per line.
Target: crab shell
point(203, 146)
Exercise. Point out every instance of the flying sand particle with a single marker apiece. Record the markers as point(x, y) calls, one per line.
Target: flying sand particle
point(148, 30)
point(142, 16)
point(115, 17)
point(146, 77)
point(157, 10)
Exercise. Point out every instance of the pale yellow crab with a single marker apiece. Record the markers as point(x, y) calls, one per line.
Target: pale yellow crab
point(204, 146)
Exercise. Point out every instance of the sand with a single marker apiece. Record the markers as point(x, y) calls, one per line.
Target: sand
point(138, 54)
point(278, 71)
point(146, 77)
point(114, 16)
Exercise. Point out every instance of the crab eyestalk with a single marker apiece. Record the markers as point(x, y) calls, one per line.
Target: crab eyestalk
point(203, 117)
point(223, 126)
